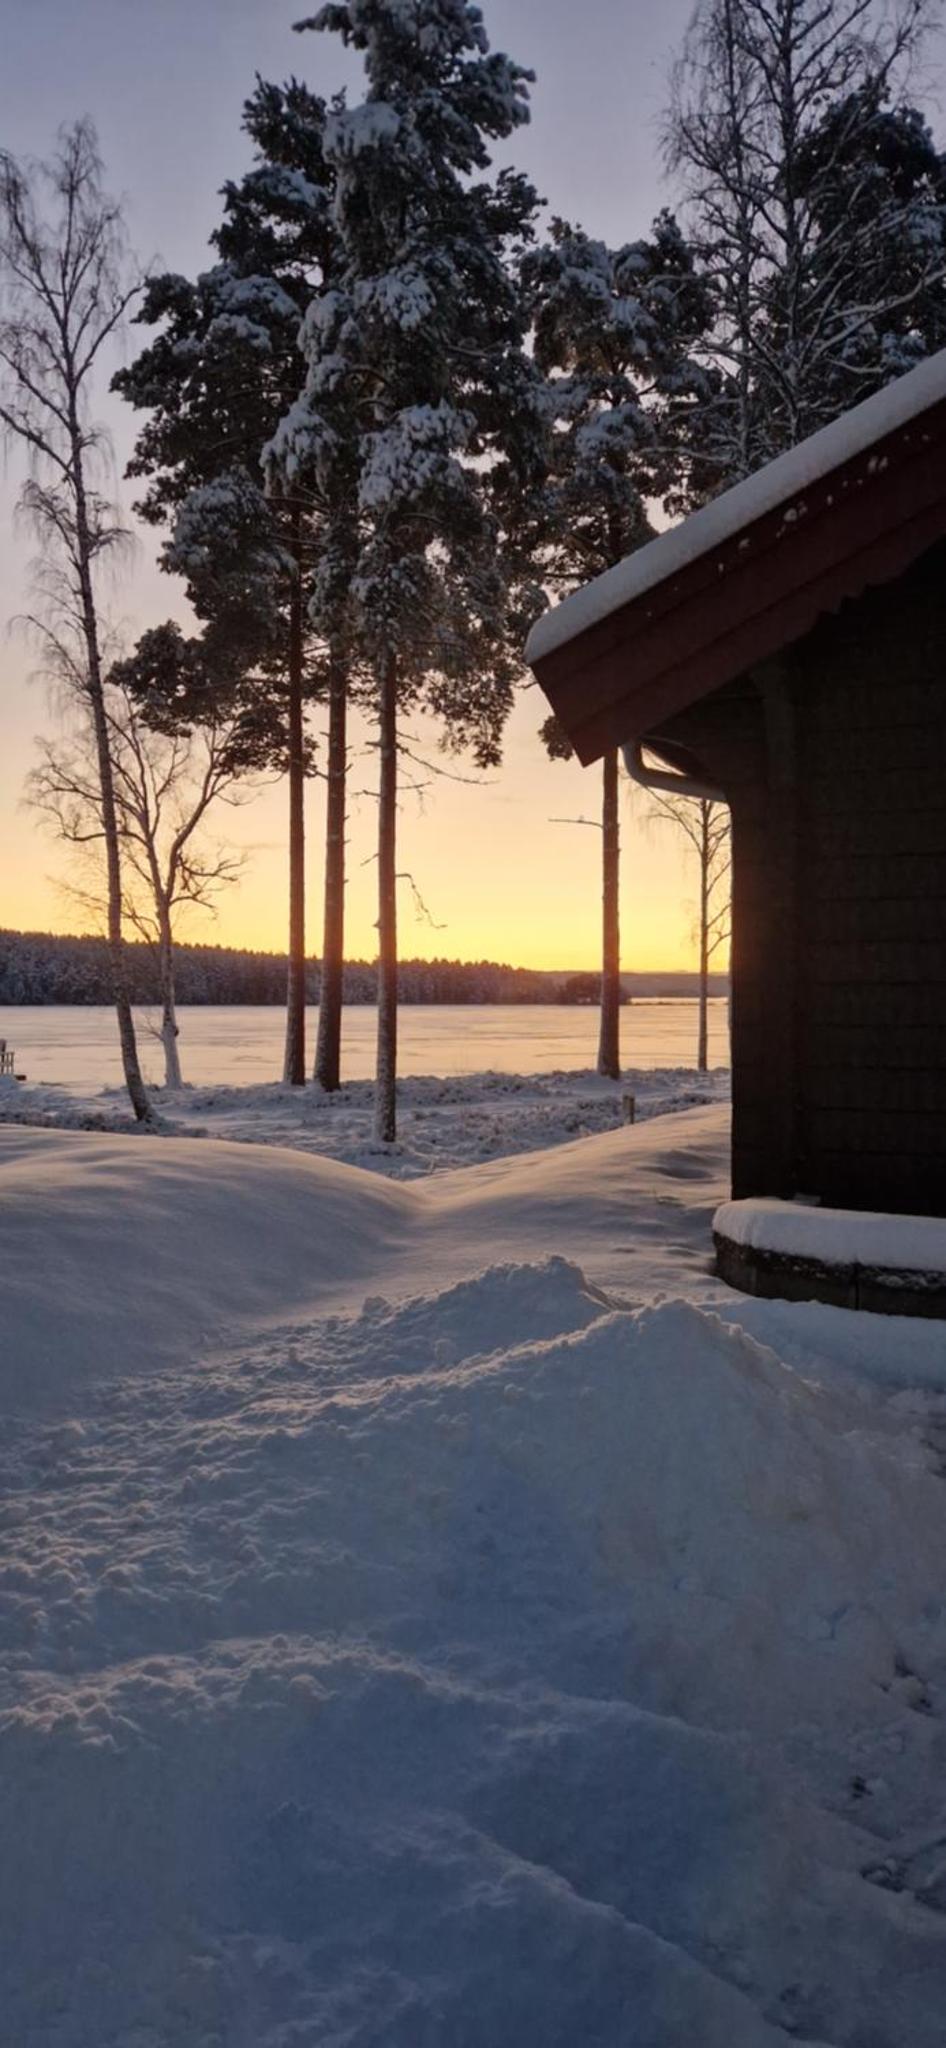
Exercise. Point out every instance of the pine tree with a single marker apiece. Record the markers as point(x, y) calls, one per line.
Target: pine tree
point(614, 331)
point(216, 381)
point(415, 396)
point(874, 186)
point(816, 205)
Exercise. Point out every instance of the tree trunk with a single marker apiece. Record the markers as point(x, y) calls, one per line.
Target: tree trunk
point(169, 1028)
point(116, 948)
point(385, 1110)
point(702, 1050)
point(294, 1064)
point(609, 1042)
point(328, 1044)
point(744, 254)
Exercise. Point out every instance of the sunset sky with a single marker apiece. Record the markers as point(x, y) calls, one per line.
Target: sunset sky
point(164, 84)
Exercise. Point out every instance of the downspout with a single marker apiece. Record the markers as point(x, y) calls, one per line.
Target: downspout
point(667, 778)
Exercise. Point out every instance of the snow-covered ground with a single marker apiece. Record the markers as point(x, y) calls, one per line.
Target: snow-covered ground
point(450, 1122)
point(442, 1614)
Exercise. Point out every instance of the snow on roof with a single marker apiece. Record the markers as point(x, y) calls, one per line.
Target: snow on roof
point(856, 430)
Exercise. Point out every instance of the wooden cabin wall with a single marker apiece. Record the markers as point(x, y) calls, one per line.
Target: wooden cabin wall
point(871, 705)
point(835, 763)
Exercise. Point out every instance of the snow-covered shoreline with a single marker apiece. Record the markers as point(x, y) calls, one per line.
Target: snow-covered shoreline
point(444, 1122)
point(444, 1612)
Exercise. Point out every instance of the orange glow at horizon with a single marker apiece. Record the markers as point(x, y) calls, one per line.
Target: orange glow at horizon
point(492, 876)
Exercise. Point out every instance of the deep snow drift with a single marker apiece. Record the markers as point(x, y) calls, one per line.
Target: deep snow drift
point(418, 1629)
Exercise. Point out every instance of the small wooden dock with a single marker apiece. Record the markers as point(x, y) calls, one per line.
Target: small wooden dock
point(7, 1057)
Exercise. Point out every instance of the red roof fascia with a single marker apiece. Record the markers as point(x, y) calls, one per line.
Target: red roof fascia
point(761, 589)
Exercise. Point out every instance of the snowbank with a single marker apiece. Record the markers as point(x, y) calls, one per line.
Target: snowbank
point(123, 1253)
point(119, 1254)
point(471, 1655)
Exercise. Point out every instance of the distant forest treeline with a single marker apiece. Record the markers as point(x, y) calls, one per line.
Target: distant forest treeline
point(42, 968)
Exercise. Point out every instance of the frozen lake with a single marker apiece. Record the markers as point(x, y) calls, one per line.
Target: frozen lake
point(78, 1047)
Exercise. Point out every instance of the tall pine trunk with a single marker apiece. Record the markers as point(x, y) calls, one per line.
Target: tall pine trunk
point(702, 1046)
point(116, 947)
point(609, 1042)
point(294, 1064)
point(329, 1042)
point(385, 1101)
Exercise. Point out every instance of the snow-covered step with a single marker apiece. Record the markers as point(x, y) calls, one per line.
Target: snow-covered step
point(798, 1251)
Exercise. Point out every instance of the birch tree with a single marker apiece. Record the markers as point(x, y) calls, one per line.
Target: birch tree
point(704, 823)
point(165, 785)
point(65, 288)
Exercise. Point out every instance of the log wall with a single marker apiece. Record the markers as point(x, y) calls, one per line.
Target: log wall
point(835, 762)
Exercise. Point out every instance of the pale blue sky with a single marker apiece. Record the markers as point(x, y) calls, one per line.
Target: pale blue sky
point(164, 81)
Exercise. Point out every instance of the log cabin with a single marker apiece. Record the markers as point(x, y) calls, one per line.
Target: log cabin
point(785, 647)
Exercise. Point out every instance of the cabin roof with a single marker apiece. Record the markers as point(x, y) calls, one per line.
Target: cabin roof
point(752, 571)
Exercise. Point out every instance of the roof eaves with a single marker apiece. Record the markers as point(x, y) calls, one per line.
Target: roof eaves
point(770, 489)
